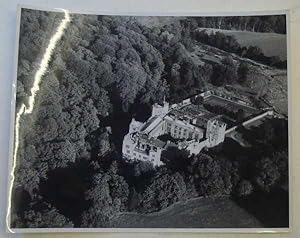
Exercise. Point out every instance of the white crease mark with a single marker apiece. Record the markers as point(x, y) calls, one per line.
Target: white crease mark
point(31, 101)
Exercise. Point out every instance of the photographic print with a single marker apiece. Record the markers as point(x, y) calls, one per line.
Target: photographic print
point(150, 122)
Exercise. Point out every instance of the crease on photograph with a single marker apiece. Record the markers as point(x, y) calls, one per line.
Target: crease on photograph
point(31, 100)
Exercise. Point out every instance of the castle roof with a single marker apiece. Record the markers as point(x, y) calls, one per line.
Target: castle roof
point(151, 124)
point(196, 115)
point(152, 141)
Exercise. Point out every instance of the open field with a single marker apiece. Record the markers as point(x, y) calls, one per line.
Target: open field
point(158, 21)
point(272, 44)
point(196, 213)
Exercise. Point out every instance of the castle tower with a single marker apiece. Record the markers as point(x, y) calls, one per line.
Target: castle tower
point(160, 110)
point(215, 132)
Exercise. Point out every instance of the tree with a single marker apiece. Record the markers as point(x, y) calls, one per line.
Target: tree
point(201, 36)
point(217, 77)
point(240, 115)
point(109, 195)
point(254, 52)
point(230, 69)
point(281, 159)
point(47, 217)
point(186, 74)
point(162, 191)
point(203, 76)
point(242, 72)
point(225, 72)
point(176, 160)
point(175, 74)
point(207, 174)
point(267, 174)
point(244, 188)
point(268, 131)
point(103, 144)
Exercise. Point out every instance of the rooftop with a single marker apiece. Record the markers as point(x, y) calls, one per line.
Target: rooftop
point(195, 114)
point(148, 124)
point(153, 141)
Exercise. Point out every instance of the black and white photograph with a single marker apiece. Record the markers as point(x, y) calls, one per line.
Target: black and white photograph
point(127, 121)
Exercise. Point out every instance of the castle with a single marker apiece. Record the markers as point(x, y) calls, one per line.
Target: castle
point(187, 125)
point(191, 126)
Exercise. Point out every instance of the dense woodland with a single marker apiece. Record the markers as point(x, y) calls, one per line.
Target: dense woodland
point(104, 71)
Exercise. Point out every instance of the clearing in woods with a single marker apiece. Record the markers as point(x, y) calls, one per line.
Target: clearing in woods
point(272, 44)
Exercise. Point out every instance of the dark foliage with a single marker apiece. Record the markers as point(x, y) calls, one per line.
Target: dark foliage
point(109, 195)
point(242, 72)
point(42, 215)
point(162, 191)
point(244, 188)
point(224, 73)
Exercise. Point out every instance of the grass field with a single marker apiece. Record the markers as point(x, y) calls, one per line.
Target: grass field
point(196, 213)
point(158, 21)
point(272, 44)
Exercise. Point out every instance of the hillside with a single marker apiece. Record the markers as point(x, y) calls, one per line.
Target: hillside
point(262, 23)
point(272, 44)
point(263, 81)
point(158, 21)
point(196, 213)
